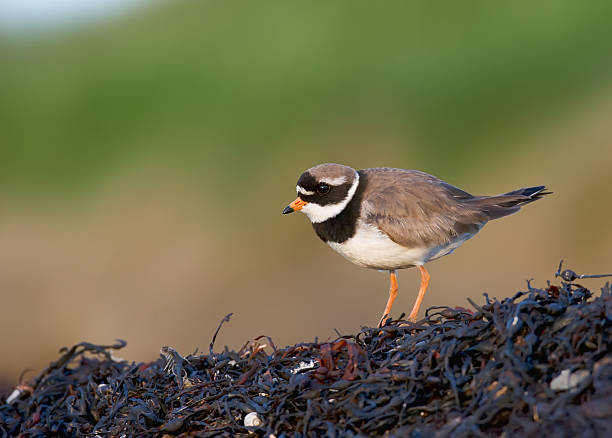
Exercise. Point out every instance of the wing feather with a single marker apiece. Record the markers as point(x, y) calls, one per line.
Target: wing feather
point(416, 209)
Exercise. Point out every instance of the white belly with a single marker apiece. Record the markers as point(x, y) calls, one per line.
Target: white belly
point(371, 248)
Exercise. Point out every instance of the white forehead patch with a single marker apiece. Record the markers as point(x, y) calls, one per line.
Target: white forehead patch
point(320, 213)
point(334, 181)
point(303, 191)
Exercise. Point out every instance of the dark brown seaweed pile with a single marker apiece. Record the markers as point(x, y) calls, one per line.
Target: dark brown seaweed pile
point(536, 364)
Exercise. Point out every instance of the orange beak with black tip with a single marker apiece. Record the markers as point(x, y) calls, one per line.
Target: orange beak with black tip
point(296, 205)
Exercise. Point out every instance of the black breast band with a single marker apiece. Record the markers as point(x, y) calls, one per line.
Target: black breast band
point(342, 227)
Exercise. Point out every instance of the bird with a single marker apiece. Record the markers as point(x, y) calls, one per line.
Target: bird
point(389, 219)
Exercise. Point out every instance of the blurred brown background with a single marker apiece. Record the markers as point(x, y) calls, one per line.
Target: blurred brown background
point(146, 154)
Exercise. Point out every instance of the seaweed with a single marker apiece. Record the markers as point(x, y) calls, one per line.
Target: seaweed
point(536, 364)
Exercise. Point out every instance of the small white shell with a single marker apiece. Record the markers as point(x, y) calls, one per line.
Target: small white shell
point(568, 380)
point(303, 366)
point(14, 396)
point(252, 419)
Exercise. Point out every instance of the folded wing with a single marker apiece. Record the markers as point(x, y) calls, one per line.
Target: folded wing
point(416, 209)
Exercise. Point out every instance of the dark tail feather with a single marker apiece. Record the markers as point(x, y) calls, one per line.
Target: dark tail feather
point(533, 193)
point(508, 203)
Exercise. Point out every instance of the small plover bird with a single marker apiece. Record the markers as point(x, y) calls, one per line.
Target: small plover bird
point(389, 219)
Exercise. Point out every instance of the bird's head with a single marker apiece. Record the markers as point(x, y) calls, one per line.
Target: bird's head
point(324, 191)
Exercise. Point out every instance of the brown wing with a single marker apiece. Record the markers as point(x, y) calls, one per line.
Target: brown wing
point(416, 209)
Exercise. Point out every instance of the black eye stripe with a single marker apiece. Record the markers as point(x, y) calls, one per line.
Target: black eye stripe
point(335, 195)
point(307, 181)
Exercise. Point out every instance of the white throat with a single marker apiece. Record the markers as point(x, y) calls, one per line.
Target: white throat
point(320, 213)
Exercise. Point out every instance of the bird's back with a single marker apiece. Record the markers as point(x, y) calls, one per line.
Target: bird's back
point(414, 208)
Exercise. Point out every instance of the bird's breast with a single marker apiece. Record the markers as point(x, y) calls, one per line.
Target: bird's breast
point(371, 248)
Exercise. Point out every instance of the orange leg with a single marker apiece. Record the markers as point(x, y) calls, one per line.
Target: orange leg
point(392, 296)
point(424, 283)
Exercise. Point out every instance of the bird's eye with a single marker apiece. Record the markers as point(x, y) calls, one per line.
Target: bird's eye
point(323, 188)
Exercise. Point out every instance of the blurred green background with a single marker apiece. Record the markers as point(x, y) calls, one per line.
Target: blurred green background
point(145, 159)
